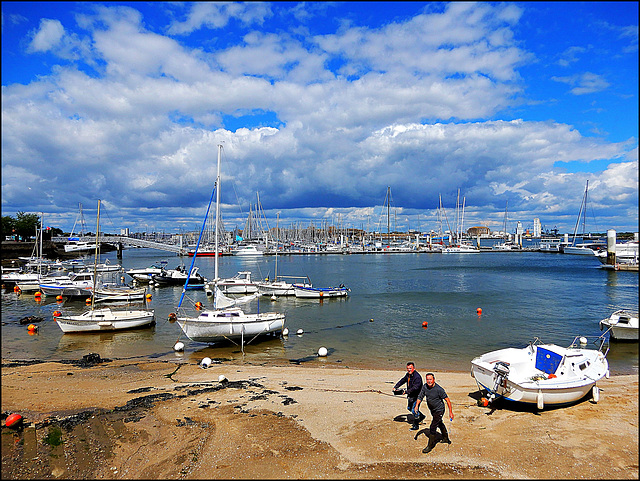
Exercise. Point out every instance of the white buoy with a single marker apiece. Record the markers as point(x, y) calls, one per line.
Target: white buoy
point(179, 346)
point(285, 331)
point(583, 341)
point(299, 332)
point(274, 298)
point(205, 363)
point(221, 378)
point(322, 352)
point(596, 394)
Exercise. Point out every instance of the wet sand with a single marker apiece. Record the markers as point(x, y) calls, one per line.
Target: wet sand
point(172, 419)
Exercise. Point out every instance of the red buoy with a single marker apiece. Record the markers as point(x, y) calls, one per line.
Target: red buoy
point(13, 421)
point(198, 305)
point(425, 324)
point(32, 328)
point(483, 401)
point(57, 313)
point(479, 311)
point(58, 298)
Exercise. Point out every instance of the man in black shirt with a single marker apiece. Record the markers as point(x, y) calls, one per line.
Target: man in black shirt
point(414, 385)
point(435, 396)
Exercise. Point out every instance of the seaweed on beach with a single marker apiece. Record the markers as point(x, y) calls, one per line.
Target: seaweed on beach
point(21, 363)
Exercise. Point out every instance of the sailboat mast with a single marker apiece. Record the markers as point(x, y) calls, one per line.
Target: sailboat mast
point(95, 260)
point(277, 244)
point(215, 274)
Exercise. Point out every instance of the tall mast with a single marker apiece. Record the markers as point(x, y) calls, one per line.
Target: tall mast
point(95, 259)
point(215, 274)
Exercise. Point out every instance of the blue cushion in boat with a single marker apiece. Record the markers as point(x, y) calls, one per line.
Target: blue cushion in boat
point(547, 361)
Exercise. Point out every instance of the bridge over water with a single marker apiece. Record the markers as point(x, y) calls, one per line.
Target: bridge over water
point(128, 241)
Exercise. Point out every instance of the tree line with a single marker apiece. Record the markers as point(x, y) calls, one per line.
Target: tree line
point(24, 226)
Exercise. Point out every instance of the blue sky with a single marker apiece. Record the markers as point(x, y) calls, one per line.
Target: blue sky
point(320, 107)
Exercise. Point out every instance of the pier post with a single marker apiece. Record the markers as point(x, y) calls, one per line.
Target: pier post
point(611, 247)
point(119, 251)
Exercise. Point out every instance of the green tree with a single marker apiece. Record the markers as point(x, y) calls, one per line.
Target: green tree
point(27, 224)
point(7, 226)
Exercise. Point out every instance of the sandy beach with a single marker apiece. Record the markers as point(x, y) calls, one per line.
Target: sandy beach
point(141, 418)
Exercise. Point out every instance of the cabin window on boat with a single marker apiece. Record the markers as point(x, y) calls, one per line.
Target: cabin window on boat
point(584, 365)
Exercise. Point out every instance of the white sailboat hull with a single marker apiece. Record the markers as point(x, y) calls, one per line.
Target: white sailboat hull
point(543, 374)
point(230, 324)
point(99, 320)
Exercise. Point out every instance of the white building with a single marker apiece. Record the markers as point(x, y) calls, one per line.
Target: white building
point(537, 227)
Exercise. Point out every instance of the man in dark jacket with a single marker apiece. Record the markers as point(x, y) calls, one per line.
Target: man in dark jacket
point(414, 385)
point(435, 396)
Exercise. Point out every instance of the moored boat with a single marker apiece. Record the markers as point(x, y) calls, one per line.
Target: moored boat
point(622, 325)
point(309, 292)
point(226, 323)
point(541, 374)
point(105, 319)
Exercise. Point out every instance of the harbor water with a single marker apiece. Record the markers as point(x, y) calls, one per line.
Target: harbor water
point(522, 295)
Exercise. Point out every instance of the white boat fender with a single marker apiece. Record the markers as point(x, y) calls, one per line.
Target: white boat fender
point(222, 378)
point(540, 400)
point(596, 394)
point(205, 363)
point(583, 341)
point(322, 352)
point(285, 331)
point(178, 346)
point(606, 374)
point(274, 298)
point(299, 332)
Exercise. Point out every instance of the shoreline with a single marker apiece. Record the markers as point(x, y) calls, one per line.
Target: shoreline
point(147, 418)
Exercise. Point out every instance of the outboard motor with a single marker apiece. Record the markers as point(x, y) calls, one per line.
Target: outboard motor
point(501, 369)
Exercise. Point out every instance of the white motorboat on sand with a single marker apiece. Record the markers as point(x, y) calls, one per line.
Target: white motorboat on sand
point(542, 375)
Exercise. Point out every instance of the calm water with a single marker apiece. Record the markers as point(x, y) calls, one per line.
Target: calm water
point(522, 295)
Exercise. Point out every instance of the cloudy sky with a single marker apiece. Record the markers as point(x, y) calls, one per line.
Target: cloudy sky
point(321, 107)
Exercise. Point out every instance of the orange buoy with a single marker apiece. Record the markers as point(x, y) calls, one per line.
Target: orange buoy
point(172, 317)
point(57, 313)
point(16, 289)
point(88, 301)
point(479, 311)
point(13, 421)
point(58, 298)
point(198, 305)
point(36, 295)
point(483, 401)
point(425, 324)
point(148, 296)
point(32, 328)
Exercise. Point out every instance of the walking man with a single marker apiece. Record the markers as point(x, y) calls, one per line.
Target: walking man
point(414, 385)
point(435, 396)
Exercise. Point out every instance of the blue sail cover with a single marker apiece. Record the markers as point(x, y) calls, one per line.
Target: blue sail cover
point(547, 361)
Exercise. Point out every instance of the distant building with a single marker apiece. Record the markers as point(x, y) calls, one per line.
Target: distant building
point(478, 230)
point(519, 228)
point(537, 227)
point(124, 232)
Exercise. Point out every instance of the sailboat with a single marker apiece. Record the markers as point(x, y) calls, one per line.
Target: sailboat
point(280, 287)
point(75, 244)
point(225, 322)
point(105, 319)
point(583, 248)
